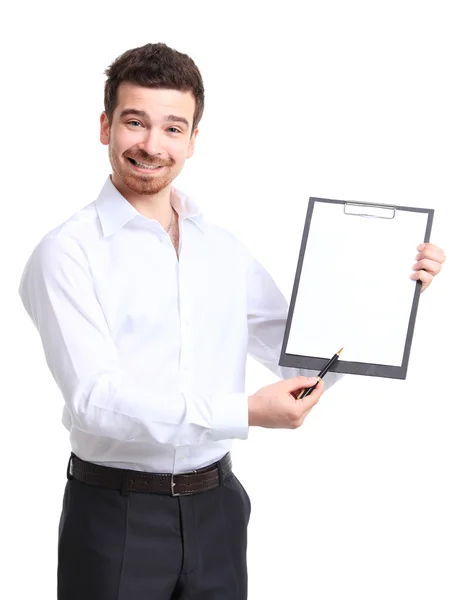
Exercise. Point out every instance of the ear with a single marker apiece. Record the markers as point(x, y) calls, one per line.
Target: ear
point(104, 134)
point(192, 143)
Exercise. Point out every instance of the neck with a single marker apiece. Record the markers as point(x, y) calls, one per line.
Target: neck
point(153, 206)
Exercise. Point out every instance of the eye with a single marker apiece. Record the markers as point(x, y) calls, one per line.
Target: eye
point(134, 123)
point(174, 130)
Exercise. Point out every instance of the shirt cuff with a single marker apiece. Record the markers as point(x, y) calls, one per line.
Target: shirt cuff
point(230, 417)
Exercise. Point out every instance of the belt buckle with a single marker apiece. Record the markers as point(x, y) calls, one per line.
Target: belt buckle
point(172, 486)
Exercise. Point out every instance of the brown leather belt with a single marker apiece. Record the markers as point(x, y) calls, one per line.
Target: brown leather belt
point(126, 480)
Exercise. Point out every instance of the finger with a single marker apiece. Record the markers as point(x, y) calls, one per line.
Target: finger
point(425, 278)
point(431, 251)
point(299, 383)
point(312, 399)
point(431, 266)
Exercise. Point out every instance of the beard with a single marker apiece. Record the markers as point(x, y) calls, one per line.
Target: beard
point(139, 183)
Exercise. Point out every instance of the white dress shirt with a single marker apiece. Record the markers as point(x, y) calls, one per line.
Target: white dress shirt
point(148, 349)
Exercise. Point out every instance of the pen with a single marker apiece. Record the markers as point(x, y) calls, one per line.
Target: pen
point(321, 374)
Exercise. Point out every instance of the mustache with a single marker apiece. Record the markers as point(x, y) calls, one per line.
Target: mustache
point(146, 158)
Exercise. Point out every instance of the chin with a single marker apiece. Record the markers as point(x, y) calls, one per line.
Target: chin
point(145, 186)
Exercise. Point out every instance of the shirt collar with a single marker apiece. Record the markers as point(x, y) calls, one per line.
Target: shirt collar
point(114, 211)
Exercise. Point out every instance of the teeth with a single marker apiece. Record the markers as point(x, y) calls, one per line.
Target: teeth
point(143, 166)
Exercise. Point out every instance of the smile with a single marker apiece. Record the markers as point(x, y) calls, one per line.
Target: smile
point(143, 165)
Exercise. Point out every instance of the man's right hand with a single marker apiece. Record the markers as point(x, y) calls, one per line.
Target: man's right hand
point(276, 406)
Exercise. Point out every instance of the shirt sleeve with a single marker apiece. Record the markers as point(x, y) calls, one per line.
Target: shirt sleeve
point(267, 311)
point(57, 290)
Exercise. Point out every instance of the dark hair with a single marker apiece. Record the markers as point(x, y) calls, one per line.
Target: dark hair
point(154, 66)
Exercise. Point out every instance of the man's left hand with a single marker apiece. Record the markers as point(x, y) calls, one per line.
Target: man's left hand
point(429, 262)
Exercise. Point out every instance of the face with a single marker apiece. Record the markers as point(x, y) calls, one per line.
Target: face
point(150, 137)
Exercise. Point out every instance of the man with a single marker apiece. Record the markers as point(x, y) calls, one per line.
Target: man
point(146, 315)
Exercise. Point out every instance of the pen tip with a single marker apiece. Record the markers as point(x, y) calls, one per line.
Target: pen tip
point(340, 351)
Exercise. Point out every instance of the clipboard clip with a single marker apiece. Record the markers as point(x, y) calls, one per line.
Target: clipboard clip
point(376, 211)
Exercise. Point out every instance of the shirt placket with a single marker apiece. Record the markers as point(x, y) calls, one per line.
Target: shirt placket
point(182, 460)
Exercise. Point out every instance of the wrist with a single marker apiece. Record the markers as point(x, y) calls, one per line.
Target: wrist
point(252, 415)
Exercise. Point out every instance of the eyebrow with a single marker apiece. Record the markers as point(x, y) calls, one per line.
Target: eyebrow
point(175, 119)
point(136, 112)
point(144, 115)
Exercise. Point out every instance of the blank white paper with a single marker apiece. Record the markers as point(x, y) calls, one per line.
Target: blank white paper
point(355, 289)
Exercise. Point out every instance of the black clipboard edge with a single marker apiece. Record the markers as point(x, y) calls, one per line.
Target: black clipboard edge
point(315, 363)
point(417, 293)
point(348, 367)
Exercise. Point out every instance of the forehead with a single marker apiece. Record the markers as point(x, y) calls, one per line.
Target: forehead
point(155, 102)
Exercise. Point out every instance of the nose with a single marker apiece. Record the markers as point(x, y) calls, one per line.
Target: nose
point(151, 142)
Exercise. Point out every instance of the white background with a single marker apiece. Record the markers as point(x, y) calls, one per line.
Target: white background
point(348, 100)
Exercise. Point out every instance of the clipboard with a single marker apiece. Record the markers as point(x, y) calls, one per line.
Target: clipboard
point(341, 295)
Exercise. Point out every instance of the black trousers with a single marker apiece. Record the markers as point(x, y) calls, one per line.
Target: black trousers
point(152, 546)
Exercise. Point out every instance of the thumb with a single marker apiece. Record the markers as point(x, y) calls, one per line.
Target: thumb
point(297, 383)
